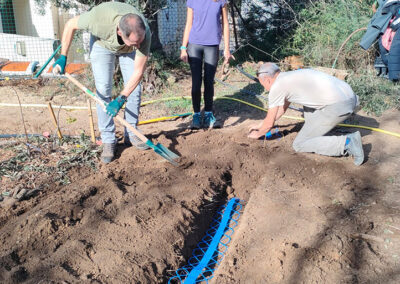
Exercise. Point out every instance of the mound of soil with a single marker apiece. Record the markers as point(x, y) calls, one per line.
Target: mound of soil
point(306, 218)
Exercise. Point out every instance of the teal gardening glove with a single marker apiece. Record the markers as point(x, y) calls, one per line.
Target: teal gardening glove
point(59, 66)
point(115, 105)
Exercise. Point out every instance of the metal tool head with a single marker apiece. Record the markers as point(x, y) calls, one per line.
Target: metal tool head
point(164, 152)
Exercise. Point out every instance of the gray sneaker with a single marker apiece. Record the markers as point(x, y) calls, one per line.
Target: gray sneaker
point(354, 148)
point(133, 140)
point(108, 153)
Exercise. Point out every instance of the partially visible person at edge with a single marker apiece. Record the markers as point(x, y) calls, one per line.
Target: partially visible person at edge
point(118, 31)
point(326, 100)
point(376, 4)
point(201, 40)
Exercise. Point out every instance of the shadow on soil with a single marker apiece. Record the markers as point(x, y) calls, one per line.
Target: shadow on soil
point(355, 226)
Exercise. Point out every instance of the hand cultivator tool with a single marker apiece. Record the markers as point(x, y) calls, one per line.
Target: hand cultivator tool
point(159, 149)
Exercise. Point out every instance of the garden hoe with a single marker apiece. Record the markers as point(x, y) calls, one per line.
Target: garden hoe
point(159, 149)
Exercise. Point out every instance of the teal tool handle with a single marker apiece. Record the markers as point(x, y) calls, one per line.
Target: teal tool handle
point(47, 62)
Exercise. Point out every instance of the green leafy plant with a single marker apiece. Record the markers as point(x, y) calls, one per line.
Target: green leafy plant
point(324, 26)
point(71, 120)
point(376, 94)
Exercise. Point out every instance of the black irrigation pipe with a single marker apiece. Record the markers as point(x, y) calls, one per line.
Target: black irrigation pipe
point(251, 77)
point(238, 89)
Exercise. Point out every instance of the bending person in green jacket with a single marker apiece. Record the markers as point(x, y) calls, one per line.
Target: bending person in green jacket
point(118, 31)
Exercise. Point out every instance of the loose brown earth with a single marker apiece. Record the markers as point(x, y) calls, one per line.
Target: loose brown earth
point(306, 218)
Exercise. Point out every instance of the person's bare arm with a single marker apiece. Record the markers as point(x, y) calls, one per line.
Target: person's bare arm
point(70, 27)
point(140, 67)
point(225, 28)
point(282, 110)
point(186, 33)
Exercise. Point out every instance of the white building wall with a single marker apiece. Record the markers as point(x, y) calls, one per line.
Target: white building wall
point(30, 22)
point(38, 34)
point(43, 24)
point(34, 40)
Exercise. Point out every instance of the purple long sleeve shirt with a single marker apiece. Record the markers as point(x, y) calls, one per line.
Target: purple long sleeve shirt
point(206, 27)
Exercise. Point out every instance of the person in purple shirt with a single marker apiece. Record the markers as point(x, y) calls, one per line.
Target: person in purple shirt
point(201, 39)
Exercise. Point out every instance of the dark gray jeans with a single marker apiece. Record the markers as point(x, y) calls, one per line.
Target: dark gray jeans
point(311, 136)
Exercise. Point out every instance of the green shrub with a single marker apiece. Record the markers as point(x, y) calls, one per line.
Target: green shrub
point(376, 94)
point(324, 26)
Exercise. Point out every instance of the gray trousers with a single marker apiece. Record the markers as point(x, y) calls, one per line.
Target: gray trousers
point(311, 136)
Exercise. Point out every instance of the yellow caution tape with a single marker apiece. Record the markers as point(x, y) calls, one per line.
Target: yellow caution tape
point(263, 109)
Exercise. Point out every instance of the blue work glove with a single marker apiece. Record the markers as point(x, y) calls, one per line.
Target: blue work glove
point(59, 66)
point(272, 132)
point(115, 105)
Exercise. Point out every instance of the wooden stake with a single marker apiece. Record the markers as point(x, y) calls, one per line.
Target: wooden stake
point(54, 120)
point(91, 122)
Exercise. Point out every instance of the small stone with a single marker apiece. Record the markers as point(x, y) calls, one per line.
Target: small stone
point(233, 261)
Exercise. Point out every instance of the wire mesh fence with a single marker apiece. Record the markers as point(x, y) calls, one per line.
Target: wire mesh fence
point(31, 31)
point(30, 34)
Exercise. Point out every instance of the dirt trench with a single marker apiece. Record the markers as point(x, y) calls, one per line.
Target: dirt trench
point(137, 219)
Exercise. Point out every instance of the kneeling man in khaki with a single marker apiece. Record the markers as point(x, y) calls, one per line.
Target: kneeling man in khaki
point(326, 100)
